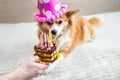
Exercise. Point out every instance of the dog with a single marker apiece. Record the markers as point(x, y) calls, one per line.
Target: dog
point(69, 30)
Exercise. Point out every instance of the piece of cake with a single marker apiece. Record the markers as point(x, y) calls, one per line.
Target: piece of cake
point(46, 49)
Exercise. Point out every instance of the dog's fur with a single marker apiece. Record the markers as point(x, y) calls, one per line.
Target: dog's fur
point(70, 30)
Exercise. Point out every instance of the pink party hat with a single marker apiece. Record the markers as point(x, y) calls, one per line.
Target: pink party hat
point(49, 10)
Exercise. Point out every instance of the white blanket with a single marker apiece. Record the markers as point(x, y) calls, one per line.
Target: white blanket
point(98, 60)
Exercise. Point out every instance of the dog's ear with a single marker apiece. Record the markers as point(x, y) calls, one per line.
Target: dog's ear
point(70, 13)
point(38, 23)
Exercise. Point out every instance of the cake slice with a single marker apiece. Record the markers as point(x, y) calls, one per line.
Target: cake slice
point(46, 55)
point(46, 49)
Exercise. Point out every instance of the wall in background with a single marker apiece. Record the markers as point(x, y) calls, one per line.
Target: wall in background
point(12, 11)
point(93, 6)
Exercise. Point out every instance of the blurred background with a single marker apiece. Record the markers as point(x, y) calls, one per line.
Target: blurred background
point(14, 11)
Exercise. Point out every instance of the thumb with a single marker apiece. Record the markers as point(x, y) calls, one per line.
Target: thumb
point(36, 59)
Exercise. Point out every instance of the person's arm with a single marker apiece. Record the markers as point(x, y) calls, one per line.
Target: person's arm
point(17, 74)
point(29, 69)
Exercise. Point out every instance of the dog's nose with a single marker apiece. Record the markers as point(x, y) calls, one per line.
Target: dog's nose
point(54, 32)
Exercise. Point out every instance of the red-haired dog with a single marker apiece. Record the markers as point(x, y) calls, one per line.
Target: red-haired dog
point(69, 30)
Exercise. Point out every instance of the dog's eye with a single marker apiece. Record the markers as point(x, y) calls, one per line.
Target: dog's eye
point(59, 22)
point(49, 23)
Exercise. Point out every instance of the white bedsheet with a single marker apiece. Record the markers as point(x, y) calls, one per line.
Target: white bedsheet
point(98, 60)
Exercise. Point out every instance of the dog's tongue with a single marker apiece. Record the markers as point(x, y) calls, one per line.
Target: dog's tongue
point(46, 40)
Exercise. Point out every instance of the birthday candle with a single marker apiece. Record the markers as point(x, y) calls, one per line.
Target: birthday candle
point(41, 40)
point(48, 44)
point(50, 39)
point(45, 40)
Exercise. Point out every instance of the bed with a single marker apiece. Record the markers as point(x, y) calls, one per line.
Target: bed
point(97, 60)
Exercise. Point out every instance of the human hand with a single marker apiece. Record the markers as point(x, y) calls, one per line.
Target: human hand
point(32, 67)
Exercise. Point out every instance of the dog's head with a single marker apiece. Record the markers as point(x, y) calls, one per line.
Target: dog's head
point(58, 26)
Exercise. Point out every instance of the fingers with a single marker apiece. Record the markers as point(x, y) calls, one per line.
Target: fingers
point(41, 66)
point(40, 71)
point(35, 59)
point(36, 62)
